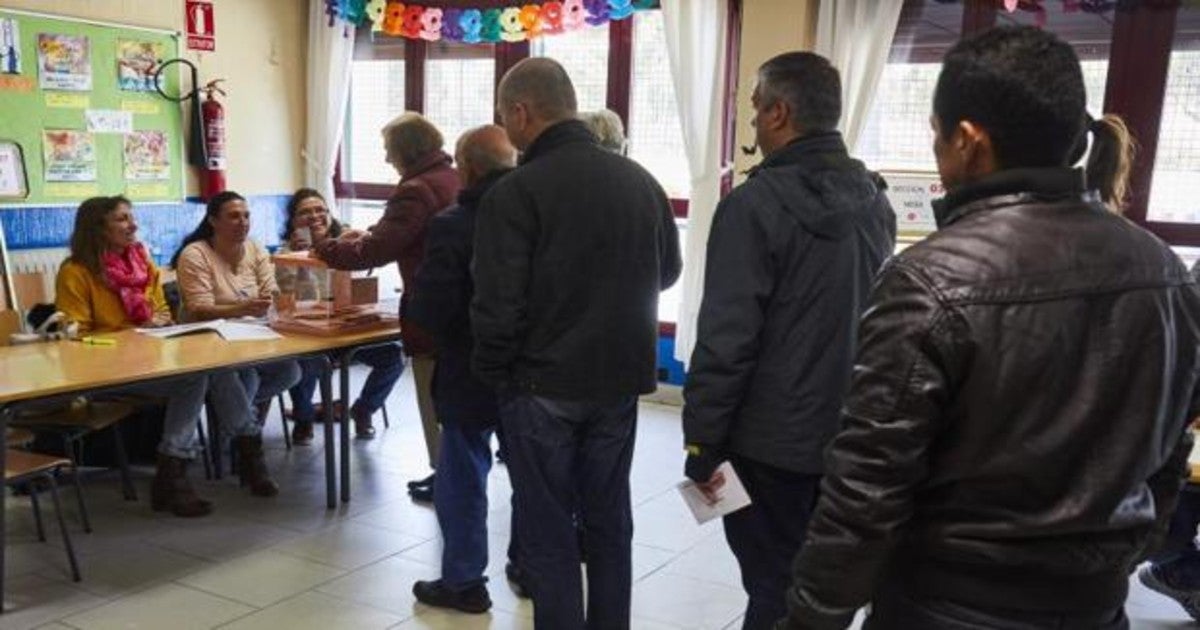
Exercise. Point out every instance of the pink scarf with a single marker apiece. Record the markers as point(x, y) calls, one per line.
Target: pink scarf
point(128, 273)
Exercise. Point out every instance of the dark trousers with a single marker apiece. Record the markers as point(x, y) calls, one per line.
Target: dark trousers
point(766, 536)
point(567, 458)
point(460, 498)
point(894, 610)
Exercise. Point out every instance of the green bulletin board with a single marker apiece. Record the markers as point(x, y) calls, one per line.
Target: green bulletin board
point(87, 151)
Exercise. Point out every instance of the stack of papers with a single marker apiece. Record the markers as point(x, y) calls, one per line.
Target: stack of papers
point(230, 330)
point(731, 497)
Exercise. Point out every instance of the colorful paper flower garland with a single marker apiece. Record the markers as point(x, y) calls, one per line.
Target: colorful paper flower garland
point(475, 26)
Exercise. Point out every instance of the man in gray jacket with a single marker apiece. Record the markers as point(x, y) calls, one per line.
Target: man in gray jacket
point(791, 259)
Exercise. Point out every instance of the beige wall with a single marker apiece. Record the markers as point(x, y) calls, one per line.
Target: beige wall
point(769, 27)
point(260, 52)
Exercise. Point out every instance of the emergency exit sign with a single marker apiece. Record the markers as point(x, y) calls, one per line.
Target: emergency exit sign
point(201, 26)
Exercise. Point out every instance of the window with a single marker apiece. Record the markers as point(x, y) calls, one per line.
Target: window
point(655, 132)
point(377, 96)
point(456, 77)
point(1175, 187)
point(584, 54)
point(896, 135)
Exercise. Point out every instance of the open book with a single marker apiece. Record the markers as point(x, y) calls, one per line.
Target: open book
point(230, 330)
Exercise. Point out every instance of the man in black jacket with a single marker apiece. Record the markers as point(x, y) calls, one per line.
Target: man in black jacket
point(1014, 439)
point(465, 406)
point(571, 252)
point(790, 261)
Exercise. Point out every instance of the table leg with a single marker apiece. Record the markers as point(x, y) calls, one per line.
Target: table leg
point(330, 464)
point(347, 356)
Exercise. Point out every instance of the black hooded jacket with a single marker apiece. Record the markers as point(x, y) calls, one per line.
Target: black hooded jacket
point(791, 258)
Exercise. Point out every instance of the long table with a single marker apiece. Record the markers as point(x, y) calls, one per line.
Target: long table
point(66, 369)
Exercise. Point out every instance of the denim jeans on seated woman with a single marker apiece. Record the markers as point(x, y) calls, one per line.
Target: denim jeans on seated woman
point(386, 363)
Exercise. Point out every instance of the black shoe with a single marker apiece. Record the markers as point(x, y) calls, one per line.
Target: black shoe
point(421, 483)
point(474, 600)
point(423, 494)
point(516, 577)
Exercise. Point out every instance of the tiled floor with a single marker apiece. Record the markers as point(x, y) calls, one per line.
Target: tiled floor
point(288, 563)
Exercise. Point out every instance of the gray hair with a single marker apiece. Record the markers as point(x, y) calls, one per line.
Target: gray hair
point(543, 86)
point(606, 125)
point(809, 85)
point(409, 138)
point(486, 149)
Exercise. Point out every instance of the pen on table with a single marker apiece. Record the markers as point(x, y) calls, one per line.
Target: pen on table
point(98, 341)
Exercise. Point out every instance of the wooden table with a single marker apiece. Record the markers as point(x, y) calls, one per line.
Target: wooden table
point(65, 369)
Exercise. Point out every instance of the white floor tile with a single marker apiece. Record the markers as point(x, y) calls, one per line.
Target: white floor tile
point(386, 585)
point(111, 573)
point(218, 537)
point(315, 611)
point(710, 560)
point(262, 578)
point(432, 619)
point(349, 545)
point(167, 606)
point(403, 516)
point(33, 600)
point(686, 602)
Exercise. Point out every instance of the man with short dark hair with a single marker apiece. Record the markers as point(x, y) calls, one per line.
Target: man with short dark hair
point(571, 252)
point(791, 257)
point(1014, 440)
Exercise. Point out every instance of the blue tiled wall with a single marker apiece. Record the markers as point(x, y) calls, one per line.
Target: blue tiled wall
point(668, 367)
point(161, 226)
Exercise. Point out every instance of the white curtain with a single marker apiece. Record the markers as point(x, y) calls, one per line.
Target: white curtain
point(330, 50)
point(696, 33)
point(856, 36)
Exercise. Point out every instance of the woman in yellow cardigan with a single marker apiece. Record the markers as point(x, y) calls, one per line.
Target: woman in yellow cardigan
point(109, 283)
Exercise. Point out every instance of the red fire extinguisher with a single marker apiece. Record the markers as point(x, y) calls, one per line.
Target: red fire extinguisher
point(212, 176)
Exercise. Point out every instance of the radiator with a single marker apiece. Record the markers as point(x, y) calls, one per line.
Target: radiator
point(33, 273)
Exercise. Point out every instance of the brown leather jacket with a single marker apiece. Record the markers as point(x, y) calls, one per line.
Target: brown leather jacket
point(1014, 436)
point(428, 188)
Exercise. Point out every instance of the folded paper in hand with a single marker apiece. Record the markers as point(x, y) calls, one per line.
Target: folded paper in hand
point(731, 497)
point(237, 330)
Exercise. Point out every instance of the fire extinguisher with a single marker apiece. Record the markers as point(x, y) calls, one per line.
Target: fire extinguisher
point(212, 175)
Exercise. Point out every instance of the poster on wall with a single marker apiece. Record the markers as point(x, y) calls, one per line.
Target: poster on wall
point(136, 64)
point(147, 156)
point(10, 46)
point(70, 155)
point(64, 62)
point(13, 183)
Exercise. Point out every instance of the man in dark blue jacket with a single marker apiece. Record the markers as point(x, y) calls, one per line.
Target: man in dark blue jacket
point(465, 406)
point(791, 258)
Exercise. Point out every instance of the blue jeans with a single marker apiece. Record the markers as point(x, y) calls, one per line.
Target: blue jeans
point(185, 399)
point(387, 364)
point(460, 497)
point(569, 458)
point(264, 382)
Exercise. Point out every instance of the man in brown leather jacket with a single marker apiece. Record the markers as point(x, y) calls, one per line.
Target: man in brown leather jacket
point(1014, 437)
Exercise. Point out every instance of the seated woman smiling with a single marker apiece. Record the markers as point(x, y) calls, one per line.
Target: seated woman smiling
point(109, 283)
point(222, 273)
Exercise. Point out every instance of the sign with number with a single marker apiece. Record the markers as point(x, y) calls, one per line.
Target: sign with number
point(201, 25)
point(912, 196)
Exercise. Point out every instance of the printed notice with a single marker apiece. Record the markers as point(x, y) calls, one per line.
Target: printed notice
point(72, 191)
point(66, 100)
point(64, 62)
point(109, 121)
point(70, 156)
point(140, 107)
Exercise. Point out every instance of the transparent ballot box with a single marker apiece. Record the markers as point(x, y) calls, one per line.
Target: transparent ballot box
point(314, 299)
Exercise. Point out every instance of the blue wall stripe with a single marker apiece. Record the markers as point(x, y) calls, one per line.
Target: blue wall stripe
point(161, 226)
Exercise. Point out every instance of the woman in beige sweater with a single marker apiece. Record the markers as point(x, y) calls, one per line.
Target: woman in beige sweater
point(224, 274)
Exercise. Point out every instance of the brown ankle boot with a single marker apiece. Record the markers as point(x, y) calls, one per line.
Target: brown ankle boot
point(172, 491)
point(252, 467)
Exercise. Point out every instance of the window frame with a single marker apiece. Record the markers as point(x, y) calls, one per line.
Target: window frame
point(508, 54)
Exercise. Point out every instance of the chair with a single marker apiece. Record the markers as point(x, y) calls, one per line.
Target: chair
point(22, 467)
point(72, 423)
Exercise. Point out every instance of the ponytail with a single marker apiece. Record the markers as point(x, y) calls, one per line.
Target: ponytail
point(1111, 160)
